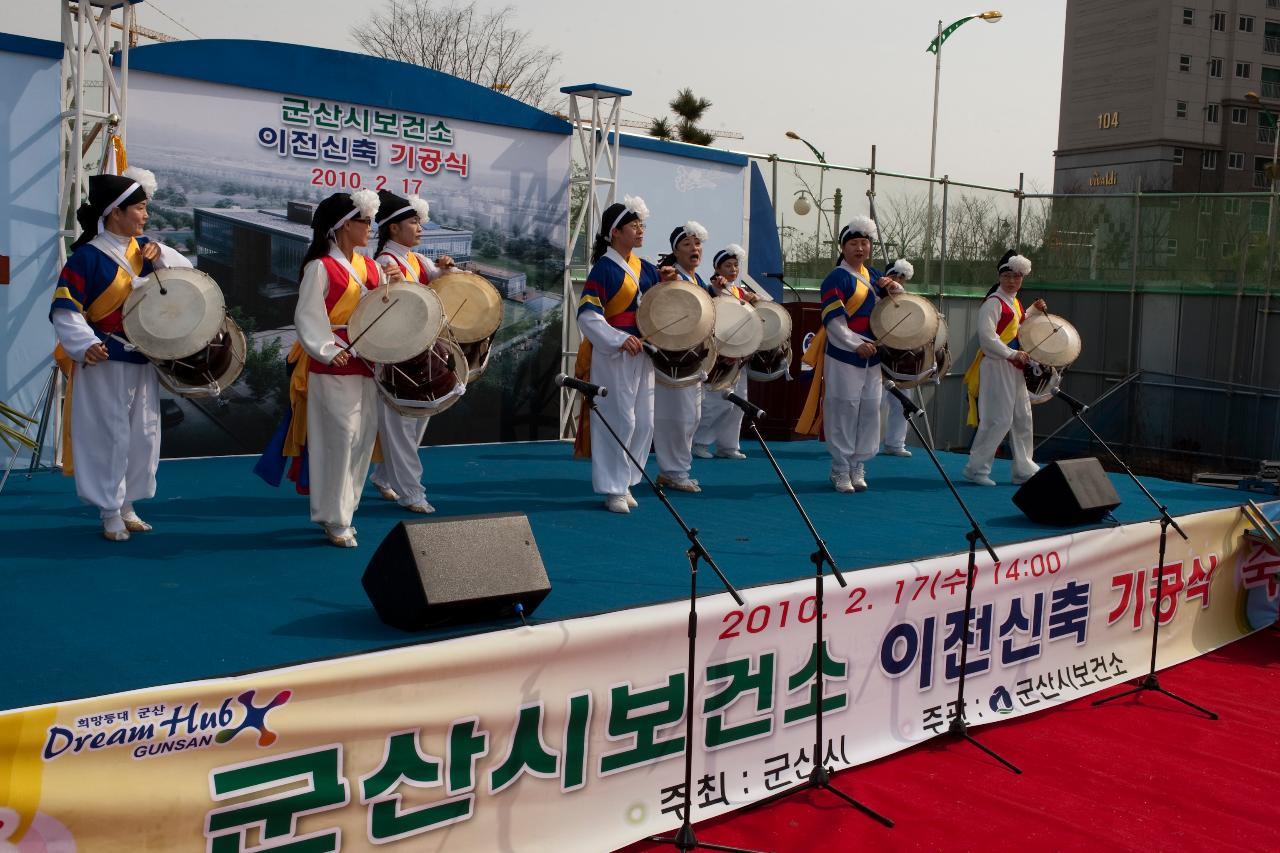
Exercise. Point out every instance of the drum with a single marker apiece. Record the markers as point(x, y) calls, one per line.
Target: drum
point(177, 318)
point(738, 332)
point(941, 351)
point(426, 384)
point(1042, 381)
point(906, 326)
point(473, 313)
point(396, 322)
point(1053, 344)
point(773, 359)
point(678, 318)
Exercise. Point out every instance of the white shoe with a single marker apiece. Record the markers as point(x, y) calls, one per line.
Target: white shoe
point(896, 451)
point(341, 537)
point(421, 507)
point(702, 451)
point(731, 454)
point(387, 493)
point(842, 482)
point(114, 529)
point(858, 479)
point(978, 479)
point(1017, 481)
point(684, 485)
point(631, 501)
point(617, 503)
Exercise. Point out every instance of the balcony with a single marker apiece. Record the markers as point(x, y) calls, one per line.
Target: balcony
point(1266, 135)
point(1271, 89)
point(1271, 44)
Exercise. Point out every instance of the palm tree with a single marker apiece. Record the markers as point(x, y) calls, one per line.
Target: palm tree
point(689, 110)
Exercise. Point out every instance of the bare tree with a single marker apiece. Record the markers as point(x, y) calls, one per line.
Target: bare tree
point(462, 40)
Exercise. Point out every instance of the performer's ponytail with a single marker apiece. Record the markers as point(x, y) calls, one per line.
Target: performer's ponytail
point(87, 216)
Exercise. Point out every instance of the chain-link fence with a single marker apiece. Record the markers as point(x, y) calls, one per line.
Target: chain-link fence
point(1172, 295)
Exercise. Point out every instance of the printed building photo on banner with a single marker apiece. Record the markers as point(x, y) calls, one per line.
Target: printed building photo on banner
point(240, 172)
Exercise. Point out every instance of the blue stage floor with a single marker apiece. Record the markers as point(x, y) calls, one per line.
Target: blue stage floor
point(236, 578)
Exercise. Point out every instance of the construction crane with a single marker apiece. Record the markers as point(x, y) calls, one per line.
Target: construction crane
point(136, 31)
point(643, 125)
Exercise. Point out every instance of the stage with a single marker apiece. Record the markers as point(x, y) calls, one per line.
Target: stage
point(235, 578)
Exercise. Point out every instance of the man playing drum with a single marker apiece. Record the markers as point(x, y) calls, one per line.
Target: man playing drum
point(676, 411)
point(895, 423)
point(844, 394)
point(111, 414)
point(721, 422)
point(612, 354)
point(399, 475)
point(997, 390)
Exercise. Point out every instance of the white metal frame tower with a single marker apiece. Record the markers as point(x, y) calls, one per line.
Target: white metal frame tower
point(595, 111)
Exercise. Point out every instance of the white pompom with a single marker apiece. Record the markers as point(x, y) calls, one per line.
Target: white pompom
point(366, 202)
point(902, 267)
point(861, 225)
point(695, 229)
point(636, 205)
point(420, 207)
point(145, 178)
point(1019, 264)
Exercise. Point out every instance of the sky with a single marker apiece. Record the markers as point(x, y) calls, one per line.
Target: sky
point(842, 75)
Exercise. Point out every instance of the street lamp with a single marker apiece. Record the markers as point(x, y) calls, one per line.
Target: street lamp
point(935, 47)
point(801, 206)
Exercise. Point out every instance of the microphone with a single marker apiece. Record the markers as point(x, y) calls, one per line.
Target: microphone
point(908, 407)
point(750, 409)
point(590, 389)
point(1077, 408)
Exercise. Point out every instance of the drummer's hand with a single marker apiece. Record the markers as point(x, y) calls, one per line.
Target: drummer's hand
point(866, 350)
point(1019, 358)
point(718, 280)
point(895, 288)
point(96, 353)
point(1040, 306)
point(632, 345)
point(445, 262)
point(750, 297)
point(668, 273)
point(391, 270)
point(341, 359)
point(151, 251)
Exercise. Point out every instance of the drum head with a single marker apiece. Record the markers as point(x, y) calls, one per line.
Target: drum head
point(940, 339)
point(738, 328)
point(412, 322)
point(777, 324)
point(904, 321)
point(178, 320)
point(1049, 339)
point(676, 315)
point(472, 306)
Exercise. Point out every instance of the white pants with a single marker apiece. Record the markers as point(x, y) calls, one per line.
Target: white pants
point(721, 422)
point(342, 423)
point(115, 433)
point(629, 410)
point(401, 466)
point(1004, 408)
point(895, 422)
point(676, 412)
point(851, 413)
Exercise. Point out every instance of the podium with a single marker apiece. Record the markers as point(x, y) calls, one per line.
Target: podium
point(783, 399)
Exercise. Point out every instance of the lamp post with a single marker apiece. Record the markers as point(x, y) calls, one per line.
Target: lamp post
point(935, 47)
point(801, 205)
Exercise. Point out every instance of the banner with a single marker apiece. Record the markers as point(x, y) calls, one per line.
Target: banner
point(569, 735)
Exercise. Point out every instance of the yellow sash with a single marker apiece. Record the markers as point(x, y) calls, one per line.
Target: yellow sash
point(338, 316)
point(108, 301)
point(415, 267)
point(582, 366)
point(810, 422)
point(972, 376)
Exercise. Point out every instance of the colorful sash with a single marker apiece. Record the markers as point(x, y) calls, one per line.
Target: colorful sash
point(616, 305)
point(810, 422)
point(1007, 330)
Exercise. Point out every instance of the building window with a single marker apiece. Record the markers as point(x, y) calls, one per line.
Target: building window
point(1202, 249)
point(1180, 109)
point(1258, 216)
point(1220, 22)
point(1171, 245)
point(1235, 160)
point(1178, 154)
point(1206, 207)
point(1231, 206)
point(1188, 16)
point(1184, 63)
point(1209, 160)
point(1212, 114)
point(1246, 23)
point(1242, 70)
point(1239, 115)
point(1215, 66)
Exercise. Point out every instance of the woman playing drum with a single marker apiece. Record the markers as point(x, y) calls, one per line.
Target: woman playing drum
point(997, 388)
point(112, 407)
point(399, 475)
point(895, 423)
point(721, 422)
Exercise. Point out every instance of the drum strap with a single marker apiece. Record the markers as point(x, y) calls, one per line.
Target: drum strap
point(108, 302)
point(810, 422)
point(617, 304)
point(1007, 334)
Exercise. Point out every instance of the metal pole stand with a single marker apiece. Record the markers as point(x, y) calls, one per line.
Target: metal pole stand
point(44, 405)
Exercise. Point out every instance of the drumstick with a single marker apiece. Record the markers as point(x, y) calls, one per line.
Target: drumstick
point(668, 326)
point(135, 306)
point(372, 323)
point(1055, 331)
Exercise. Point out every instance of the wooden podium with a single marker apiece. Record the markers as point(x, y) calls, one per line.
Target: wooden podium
point(783, 399)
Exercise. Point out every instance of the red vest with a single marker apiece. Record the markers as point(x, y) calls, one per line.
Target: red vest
point(338, 280)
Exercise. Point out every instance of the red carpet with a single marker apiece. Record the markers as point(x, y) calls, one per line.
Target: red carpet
point(1144, 773)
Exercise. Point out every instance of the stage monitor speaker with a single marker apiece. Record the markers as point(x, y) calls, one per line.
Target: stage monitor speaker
point(1067, 493)
point(468, 568)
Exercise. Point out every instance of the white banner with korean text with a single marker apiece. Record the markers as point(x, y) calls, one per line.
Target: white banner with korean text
point(569, 735)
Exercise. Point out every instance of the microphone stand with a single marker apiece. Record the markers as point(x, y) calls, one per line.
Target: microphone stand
point(1149, 681)
point(684, 838)
point(820, 776)
point(959, 723)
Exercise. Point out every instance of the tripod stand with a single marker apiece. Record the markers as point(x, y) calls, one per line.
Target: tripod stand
point(959, 726)
point(820, 776)
point(684, 838)
point(1149, 681)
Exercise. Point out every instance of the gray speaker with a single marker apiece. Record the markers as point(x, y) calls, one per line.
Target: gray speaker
point(1068, 493)
point(468, 568)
